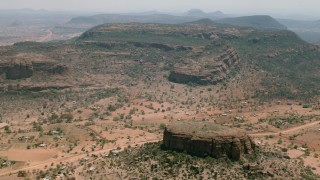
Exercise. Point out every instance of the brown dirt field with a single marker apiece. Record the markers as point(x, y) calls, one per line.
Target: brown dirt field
point(313, 162)
point(2, 125)
point(312, 138)
point(29, 155)
point(294, 153)
point(145, 127)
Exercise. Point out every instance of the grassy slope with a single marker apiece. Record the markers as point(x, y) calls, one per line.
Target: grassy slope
point(145, 37)
point(260, 22)
point(294, 65)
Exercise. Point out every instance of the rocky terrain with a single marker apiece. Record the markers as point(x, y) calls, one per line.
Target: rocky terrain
point(210, 70)
point(69, 109)
point(17, 70)
point(207, 139)
point(193, 53)
point(25, 69)
point(152, 161)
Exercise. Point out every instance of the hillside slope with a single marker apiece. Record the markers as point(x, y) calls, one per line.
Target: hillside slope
point(122, 18)
point(307, 30)
point(279, 63)
point(147, 17)
point(258, 21)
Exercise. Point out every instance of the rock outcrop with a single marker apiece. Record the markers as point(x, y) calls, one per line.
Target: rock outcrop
point(208, 72)
point(21, 69)
point(164, 47)
point(3, 68)
point(204, 138)
point(59, 69)
point(16, 70)
point(50, 67)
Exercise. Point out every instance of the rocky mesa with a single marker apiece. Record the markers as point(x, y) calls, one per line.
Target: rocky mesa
point(205, 138)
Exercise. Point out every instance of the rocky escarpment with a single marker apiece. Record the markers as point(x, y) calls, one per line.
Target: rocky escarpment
point(204, 138)
point(21, 69)
point(160, 46)
point(16, 70)
point(206, 71)
point(164, 47)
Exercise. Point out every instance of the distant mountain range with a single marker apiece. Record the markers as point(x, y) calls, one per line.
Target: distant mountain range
point(260, 22)
point(307, 30)
point(147, 17)
point(125, 18)
point(211, 15)
point(299, 24)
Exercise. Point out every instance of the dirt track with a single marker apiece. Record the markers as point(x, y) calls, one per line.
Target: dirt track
point(287, 131)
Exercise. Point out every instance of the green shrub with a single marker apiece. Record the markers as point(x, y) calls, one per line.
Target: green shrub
point(67, 117)
point(22, 174)
point(162, 126)
point(306, 106)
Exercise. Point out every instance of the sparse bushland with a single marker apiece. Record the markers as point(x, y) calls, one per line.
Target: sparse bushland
point(153, 161)
point(120, 72)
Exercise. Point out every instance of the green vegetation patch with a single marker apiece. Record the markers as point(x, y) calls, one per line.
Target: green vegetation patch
point(144, 37)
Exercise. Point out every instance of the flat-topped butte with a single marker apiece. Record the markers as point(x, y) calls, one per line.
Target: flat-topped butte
point(206, 138)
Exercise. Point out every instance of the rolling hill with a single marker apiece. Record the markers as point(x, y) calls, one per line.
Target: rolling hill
point(205, 52)
point(147, 17)
point(307, 30)
point(210, 15)
point(258, 21)
point(122, 18)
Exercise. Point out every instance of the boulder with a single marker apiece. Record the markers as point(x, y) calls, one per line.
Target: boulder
point(205, 138)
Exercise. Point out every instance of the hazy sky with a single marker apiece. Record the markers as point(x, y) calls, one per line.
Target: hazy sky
point(308, 7)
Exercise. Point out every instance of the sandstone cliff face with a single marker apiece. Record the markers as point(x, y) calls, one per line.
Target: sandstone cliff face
point(25, 69)
point(210, 72)
point(207, 139)
point(3, 69)
point(164, 47)
point(17, 70)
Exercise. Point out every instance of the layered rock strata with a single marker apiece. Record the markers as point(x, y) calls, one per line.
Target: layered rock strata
point(208, 72)
point(204, 138)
